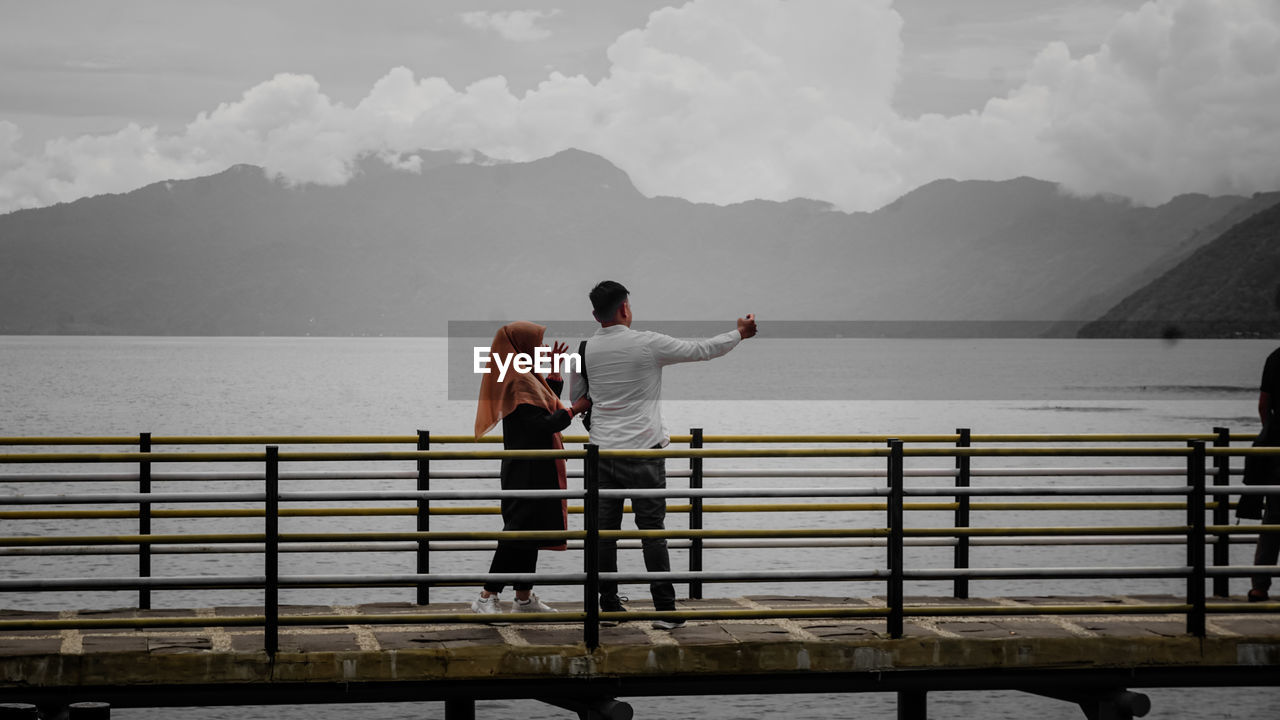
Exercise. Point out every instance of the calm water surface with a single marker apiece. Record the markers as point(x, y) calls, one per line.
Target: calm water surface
point(210, 386)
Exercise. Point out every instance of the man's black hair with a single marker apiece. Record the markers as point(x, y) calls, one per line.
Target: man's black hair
point(606, 298)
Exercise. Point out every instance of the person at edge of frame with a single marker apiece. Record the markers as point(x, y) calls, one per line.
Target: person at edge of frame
point(528, 406)
point(1259, 470)
point(621, 373)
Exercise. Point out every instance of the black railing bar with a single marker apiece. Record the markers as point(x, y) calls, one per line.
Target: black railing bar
point(1050, 573)
point(258, 581)
point(748, 543)
point(734, 576)
point(942, 490)
point(134, 583)
point(1053, 573)
point(338, 539)
point(787, 472)
point(397, 546)
point(493, 494)
point(1105, 540)
point(749, 492)
point(250, 582)
point(1091, 471)
point(1242, 570)
point(131, 498)
point(578, 578)
point(1241, 490)
point(413, 579)
point(392, 546)
point(815, 473)
point(300, 475)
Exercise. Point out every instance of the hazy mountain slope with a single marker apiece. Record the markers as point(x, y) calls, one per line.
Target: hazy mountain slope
point(1226, 288)
point(402, 253)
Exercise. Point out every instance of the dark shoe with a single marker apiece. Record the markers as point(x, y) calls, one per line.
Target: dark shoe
point(1256, 595)
point(611, 603)
point(672, 624)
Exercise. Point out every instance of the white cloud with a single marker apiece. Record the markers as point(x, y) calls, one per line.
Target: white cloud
point(513, 25)
point(728, 100)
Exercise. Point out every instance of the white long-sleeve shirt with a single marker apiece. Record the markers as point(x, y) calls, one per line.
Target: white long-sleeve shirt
point(624, 373)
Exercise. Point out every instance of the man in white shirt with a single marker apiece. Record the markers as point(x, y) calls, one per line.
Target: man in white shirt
point(623, 377)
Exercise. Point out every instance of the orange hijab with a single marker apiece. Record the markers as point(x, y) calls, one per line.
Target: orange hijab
point(498, 399)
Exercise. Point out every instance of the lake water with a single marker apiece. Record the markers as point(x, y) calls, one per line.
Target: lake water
point(94, 386)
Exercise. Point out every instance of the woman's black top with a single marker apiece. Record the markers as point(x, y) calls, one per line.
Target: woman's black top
point(530, 427)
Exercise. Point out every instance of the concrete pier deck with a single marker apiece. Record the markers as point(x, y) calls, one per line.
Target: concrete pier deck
point(440, 660)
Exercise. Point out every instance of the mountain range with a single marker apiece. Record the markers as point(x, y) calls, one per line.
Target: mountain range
point(403, 253)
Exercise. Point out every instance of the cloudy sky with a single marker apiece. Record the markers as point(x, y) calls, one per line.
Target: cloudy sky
point(854, 102)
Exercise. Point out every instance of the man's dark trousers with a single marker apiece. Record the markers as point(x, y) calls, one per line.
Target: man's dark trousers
point(650, 514)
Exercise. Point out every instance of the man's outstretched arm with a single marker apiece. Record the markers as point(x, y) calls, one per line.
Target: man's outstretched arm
point(669, 350)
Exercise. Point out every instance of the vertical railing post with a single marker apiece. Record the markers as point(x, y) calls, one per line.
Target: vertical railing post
point(424, 518)
point(1195, 539)
point(460, 709)
point(271, 601)
point(896, 538)
point(144, 521)
point(960, 586)
point(695, 514)
point(591, 546)
point(1221, 512)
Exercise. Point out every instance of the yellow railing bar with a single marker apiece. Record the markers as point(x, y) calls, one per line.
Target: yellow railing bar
point(52, 540)
point(677, 439)
point(429, 618)
point(283, 440)
point(138, 623)
point(53, 440)
point(906, 438)
point(578, 617)
point(1090, 437)
point(1047, 452)
point(132, 457)
point(193, 538)
point(1241, 529)
point(961, 610)
point(155, 457)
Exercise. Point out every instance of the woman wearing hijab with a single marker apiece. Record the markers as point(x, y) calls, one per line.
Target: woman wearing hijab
point(528, 406)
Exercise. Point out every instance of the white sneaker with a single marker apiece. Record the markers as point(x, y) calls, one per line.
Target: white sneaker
point(533, 604)
point(486, 605)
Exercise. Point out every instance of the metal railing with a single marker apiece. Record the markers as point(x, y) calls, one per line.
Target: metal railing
point(890, 501)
